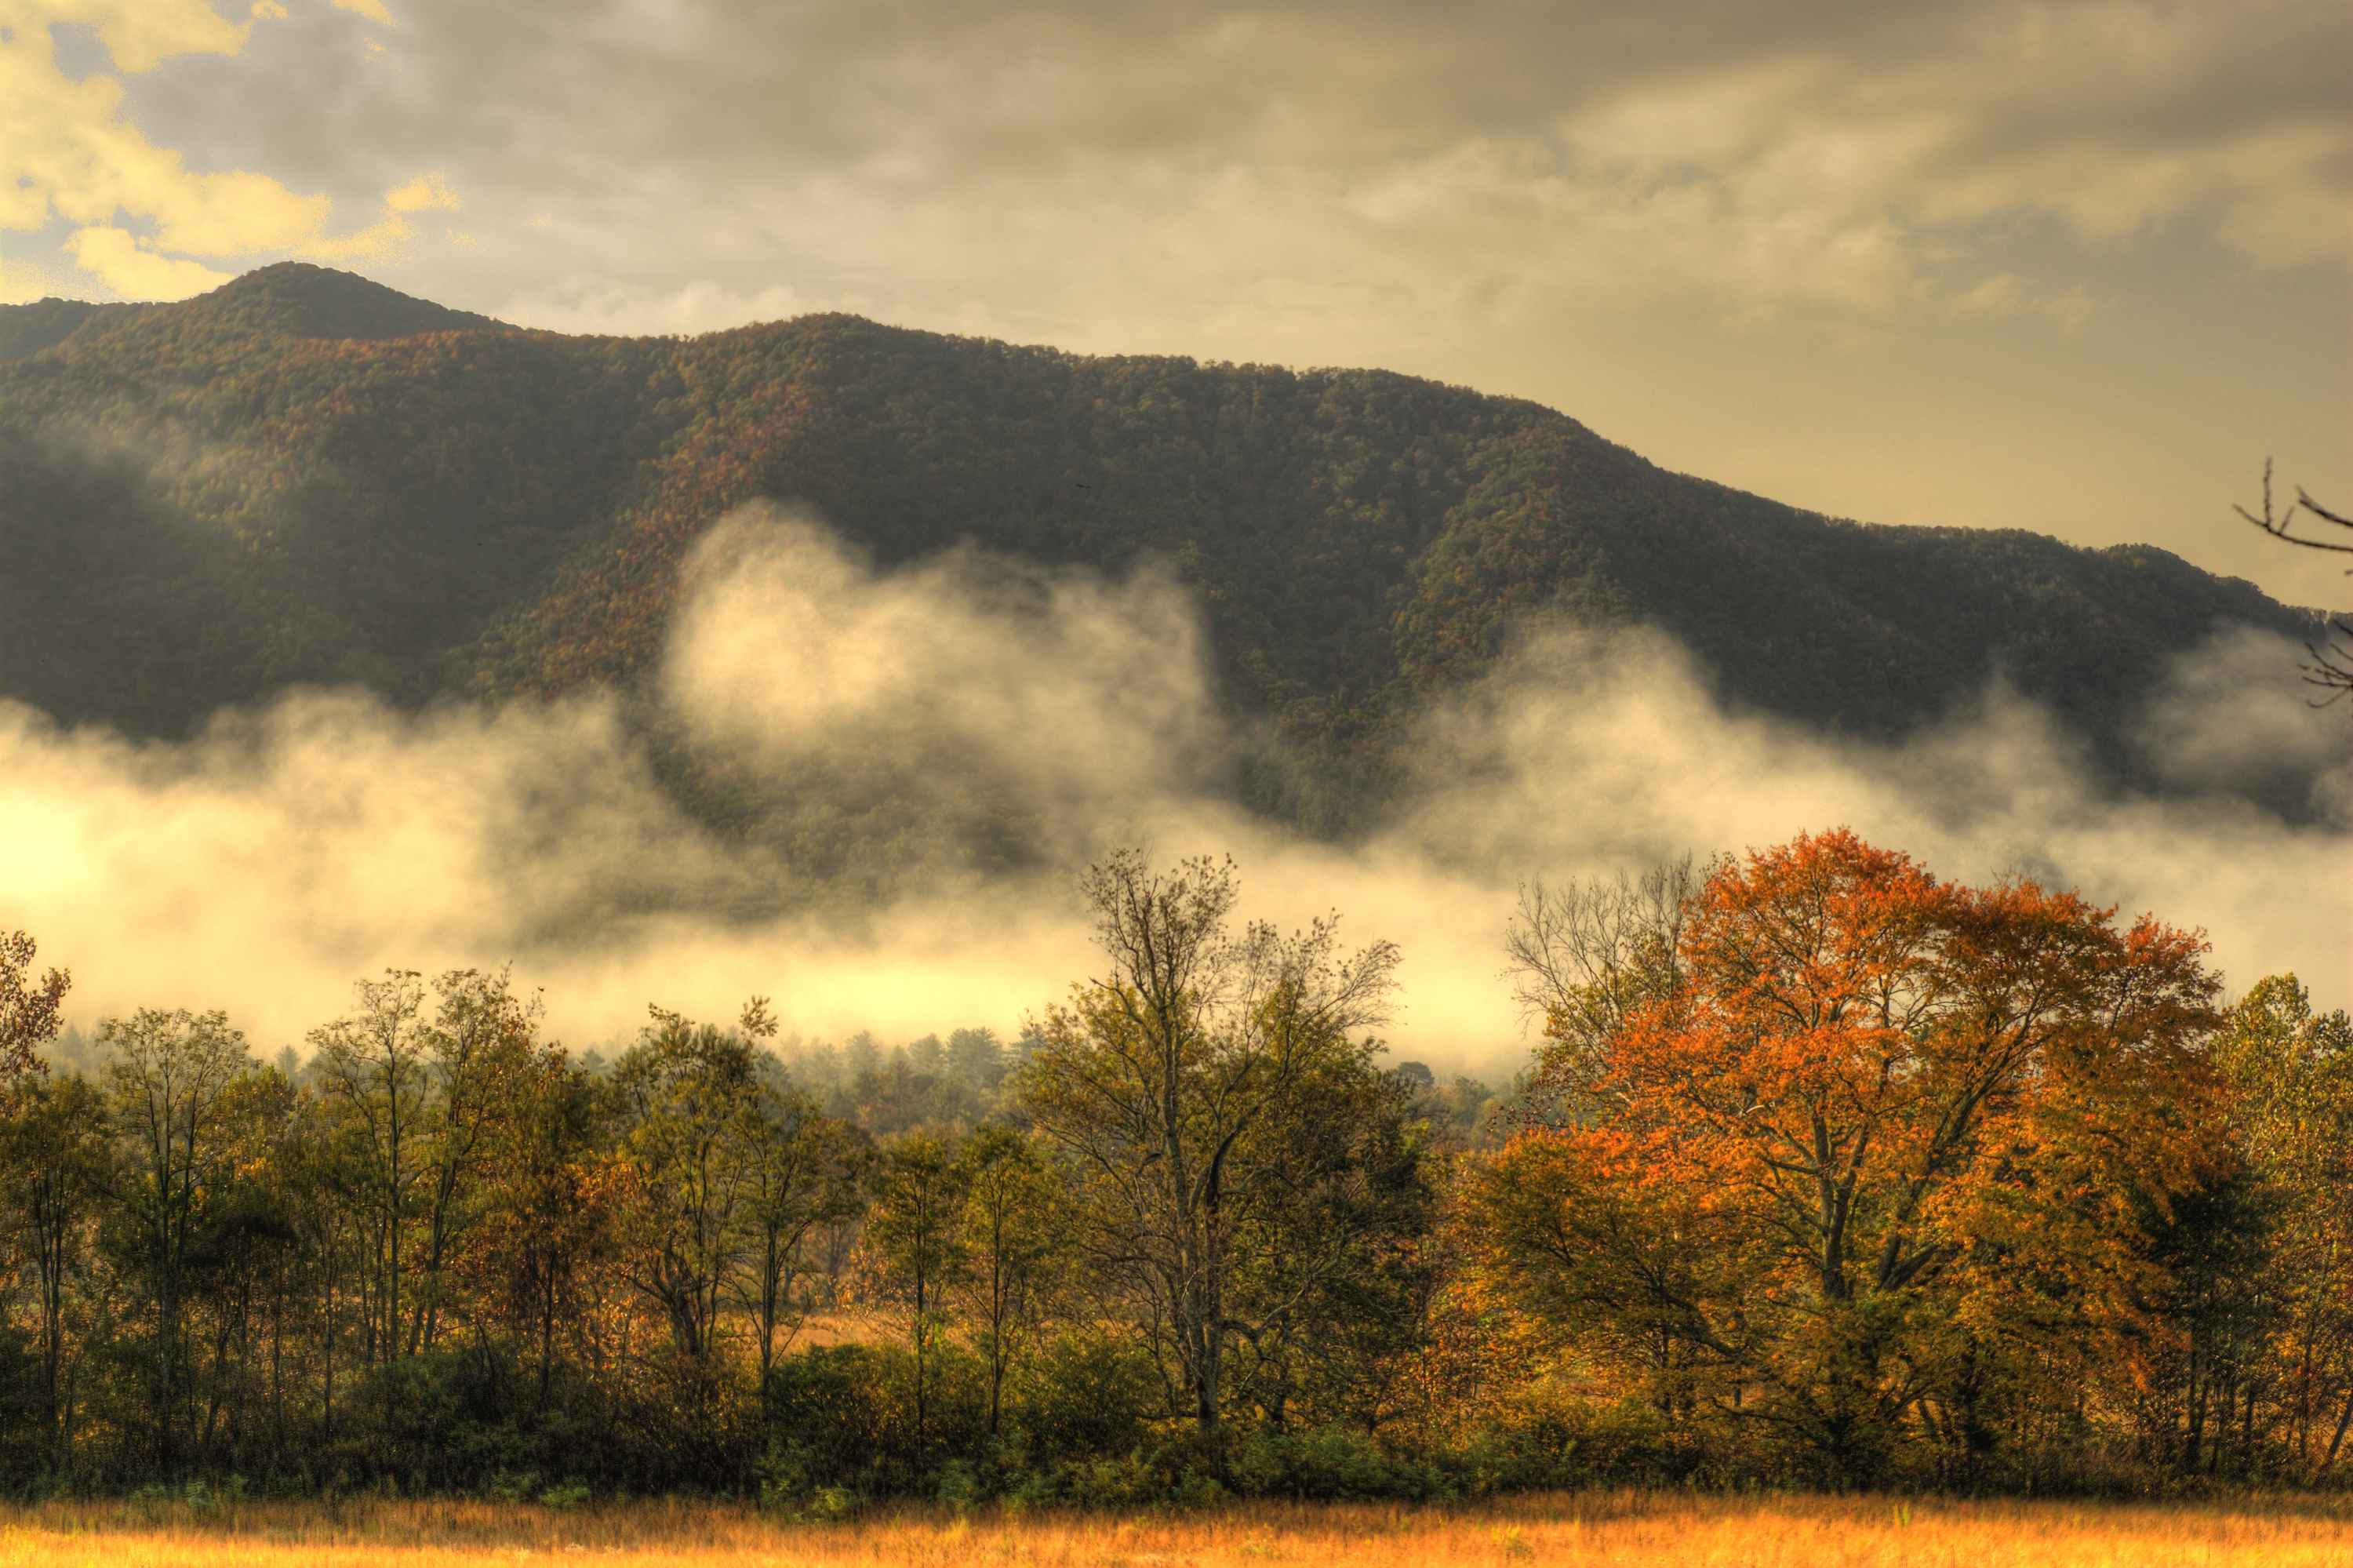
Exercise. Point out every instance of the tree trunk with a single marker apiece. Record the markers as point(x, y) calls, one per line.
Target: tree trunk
point(2194, 1440)
point(2338, 1440)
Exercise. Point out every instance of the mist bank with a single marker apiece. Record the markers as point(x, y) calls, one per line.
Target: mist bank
point(902, 769)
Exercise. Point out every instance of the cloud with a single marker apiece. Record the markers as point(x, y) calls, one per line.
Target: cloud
point(77, 156)
point(1832, 153)
point(383, 241)
point(936, 748)
point(423, 192)
point(1593, 753)
point(1080, 697)
point(585, 303)
point(72, 154)
point(2007, 294)
point(2231, 722)
point(126, 265)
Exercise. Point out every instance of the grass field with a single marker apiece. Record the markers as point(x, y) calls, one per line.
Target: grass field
point(1624, 1529)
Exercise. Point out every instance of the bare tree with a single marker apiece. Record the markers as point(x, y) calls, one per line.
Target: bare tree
point(1583, 958)
point(2331, 668)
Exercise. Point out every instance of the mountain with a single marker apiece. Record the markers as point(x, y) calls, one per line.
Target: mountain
point(305, 477)
point(290, 300)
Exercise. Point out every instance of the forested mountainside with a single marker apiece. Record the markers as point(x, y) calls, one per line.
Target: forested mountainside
point(305, 477)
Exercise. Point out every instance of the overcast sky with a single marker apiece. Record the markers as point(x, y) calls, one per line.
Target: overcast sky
point(2075, 268)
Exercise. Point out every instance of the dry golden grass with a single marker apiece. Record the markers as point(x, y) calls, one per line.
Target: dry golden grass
point(1623, 1530)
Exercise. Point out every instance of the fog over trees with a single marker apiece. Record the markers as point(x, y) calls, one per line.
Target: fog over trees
point(1825, 1171)
point(817, 658)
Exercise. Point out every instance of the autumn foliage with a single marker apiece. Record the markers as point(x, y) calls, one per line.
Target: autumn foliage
point(29, 1007)
point(1889, 1143)
point(1828, 1171)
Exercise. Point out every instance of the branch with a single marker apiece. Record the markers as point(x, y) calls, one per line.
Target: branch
point(2277, 525)
point(2325, 671)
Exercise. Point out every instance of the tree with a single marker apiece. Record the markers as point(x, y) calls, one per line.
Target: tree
point(799, 1172)
point(2332, 666)
point(324, 1182)
point(977, 1056)
point(1167, 1081)
point(1014, 1235)
point(1878, 1114)
point(479, 1043)
point(59, 1165)
point(1331, 1270)
point(915, 1249)
point(554, 1208)
point(2291, 1071)
point(374, 1063)
point(686, 1089)
point(28, 1008)
point(168, 1082)
point(1584, 959)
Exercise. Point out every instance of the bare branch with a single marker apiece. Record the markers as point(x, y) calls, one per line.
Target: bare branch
point(2277, 525)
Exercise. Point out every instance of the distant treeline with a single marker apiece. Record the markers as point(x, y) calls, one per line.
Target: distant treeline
point(1827, 1173)
point(306, 478)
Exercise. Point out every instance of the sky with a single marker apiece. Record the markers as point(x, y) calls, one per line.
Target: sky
point(2077, 268)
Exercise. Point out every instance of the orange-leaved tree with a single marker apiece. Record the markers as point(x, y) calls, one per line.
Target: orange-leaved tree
point(1882, 1130)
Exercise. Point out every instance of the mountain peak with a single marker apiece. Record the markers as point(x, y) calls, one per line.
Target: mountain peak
point(295, 299)
point(292, 298)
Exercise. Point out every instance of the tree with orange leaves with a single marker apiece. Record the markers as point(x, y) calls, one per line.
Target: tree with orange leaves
point(1882, 1126)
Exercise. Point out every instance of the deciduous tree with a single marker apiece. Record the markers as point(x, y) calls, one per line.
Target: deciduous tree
point(1875, 1105)
point(916, 1251)
point(28, 1008)
point(1015, 1230)
point(168, 1082)
point(1167, 1081)
point(58, 1162)
point(375, 1062)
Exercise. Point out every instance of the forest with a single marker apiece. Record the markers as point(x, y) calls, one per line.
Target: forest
point(306, 478)
point(1825, 1173)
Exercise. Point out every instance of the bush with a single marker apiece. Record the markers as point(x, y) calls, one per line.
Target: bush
point(1332, 1463)
point(1086, 1396)
point(570, 1495)
point(845, 1416)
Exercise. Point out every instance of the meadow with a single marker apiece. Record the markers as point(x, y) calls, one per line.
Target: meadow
point(1625, 1530)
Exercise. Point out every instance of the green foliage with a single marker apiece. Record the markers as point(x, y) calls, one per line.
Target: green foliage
point(1333, 1463)
point(570, 1286)
point(1086, 1393)
point(847, 1417)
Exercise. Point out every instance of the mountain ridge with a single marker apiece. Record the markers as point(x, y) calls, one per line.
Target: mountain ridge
point(280, 483)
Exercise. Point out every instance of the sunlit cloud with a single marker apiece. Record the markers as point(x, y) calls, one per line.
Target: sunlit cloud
point(125, 264)
point(383, 240)
point(590, 304)
point(77, 156)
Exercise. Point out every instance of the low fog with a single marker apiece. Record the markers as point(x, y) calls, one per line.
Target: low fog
point(897, 773)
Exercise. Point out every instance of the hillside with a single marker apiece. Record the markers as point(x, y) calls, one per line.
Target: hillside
point(306, 477)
